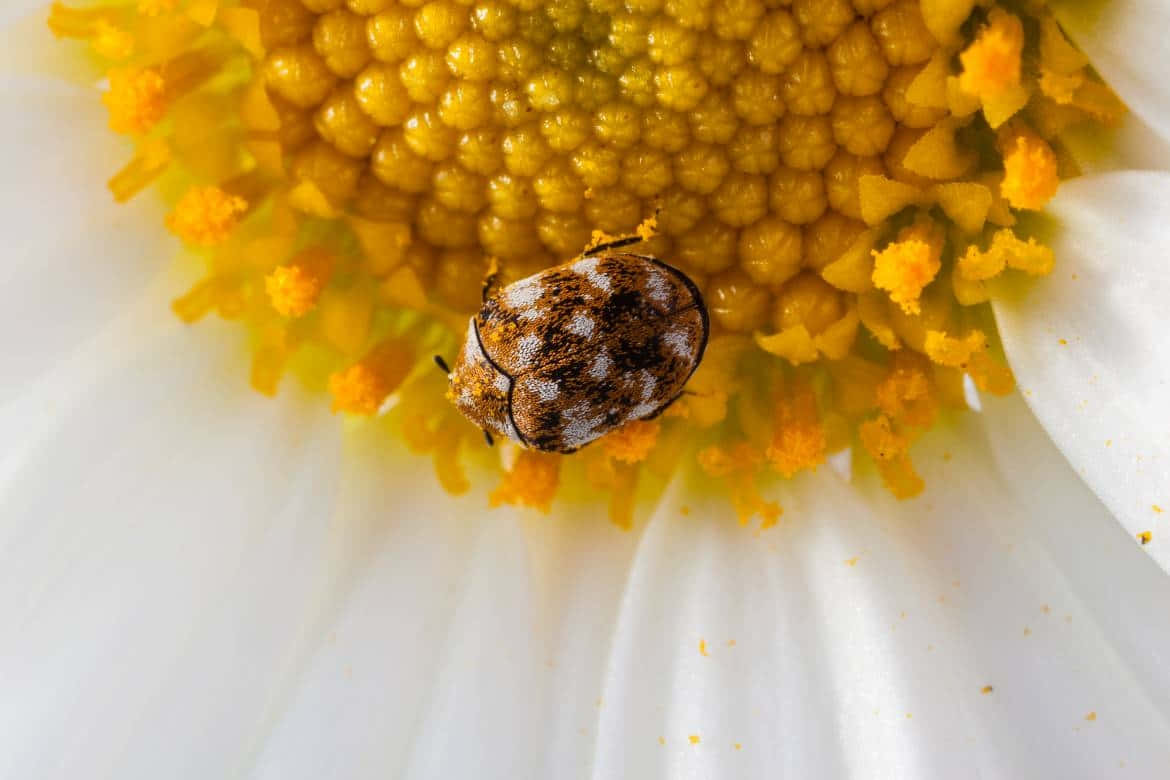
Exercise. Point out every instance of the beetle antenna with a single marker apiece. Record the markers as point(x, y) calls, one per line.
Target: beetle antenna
point(442, 364)
point(618, 244)
point(488, 436)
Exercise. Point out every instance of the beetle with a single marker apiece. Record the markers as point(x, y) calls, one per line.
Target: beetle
point(558, 359)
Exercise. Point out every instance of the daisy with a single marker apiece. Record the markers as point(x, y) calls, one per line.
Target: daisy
point(201, 581)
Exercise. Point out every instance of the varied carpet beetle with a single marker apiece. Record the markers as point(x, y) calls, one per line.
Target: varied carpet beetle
point(561, 358)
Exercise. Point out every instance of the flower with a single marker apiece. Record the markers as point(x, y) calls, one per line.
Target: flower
point(202, 582)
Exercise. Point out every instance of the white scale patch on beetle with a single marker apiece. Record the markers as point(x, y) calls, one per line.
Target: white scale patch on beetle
point(601, 365)
point(649, 385)
point(581, 424)
point(524, 294)
point(544, 389)
point(582, 325)
point(678, 342)
point(588, 269)
point(528, 351)
point(658, 287)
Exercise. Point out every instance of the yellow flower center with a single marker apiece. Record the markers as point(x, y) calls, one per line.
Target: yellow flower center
point(840, 178)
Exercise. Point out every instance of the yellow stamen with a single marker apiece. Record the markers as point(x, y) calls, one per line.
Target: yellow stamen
point(137, 100)
point(363, 387)
point(532, 481)
point(294, 289)
point(1030, 172)
point(903, 269)
point(798, 441)
point(156, 7)
point(1006, 251)
point(991, 64)
point(206, 216)
point(952, 352)
point(633, 441)
point(112, 42)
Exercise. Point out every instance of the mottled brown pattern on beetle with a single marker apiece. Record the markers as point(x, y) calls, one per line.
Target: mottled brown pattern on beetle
point(571, 385)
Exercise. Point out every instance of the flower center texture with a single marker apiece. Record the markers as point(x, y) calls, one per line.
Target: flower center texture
point(848, 183)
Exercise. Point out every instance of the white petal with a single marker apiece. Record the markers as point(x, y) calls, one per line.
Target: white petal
point(1133, 145)
point(1127, 43)
point(458, 655)
point(1089, 346)
point(191, 594)
point(76, 258)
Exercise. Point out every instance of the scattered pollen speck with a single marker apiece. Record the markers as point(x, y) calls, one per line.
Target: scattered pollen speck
point(1144, 537)
point(947, 457)
point(1109, 442)
point(738, 746)
point(1091, 716)
point(1063, 342)
point(1159, 510)
point(703, 646)
point(986, 689)
point(909, 715)
point(662, 740)
point(1027, 631)
point(684, 510)
point(731, 643)
point(852, 561)
point(1045, 608)
point(694, 739)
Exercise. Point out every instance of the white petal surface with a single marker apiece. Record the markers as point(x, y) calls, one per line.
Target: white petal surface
point(1127, 43)
point(76, 258)
point(160, 552)
point(853, 641)
point(1089, 347)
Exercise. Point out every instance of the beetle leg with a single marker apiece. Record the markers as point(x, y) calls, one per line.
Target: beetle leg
point(488, 436)
point(442, 364)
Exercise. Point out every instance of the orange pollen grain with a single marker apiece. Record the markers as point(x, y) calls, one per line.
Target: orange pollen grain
point(206, 216)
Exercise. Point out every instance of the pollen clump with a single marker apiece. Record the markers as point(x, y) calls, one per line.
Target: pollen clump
point(991, 65)
point(206, 216)
point(1030, 172)
point(364, 386)
point(633, 442)
point(136, 99)
point(532, 481)
point(903, 269)
point(294, 288)
point(842, 181)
